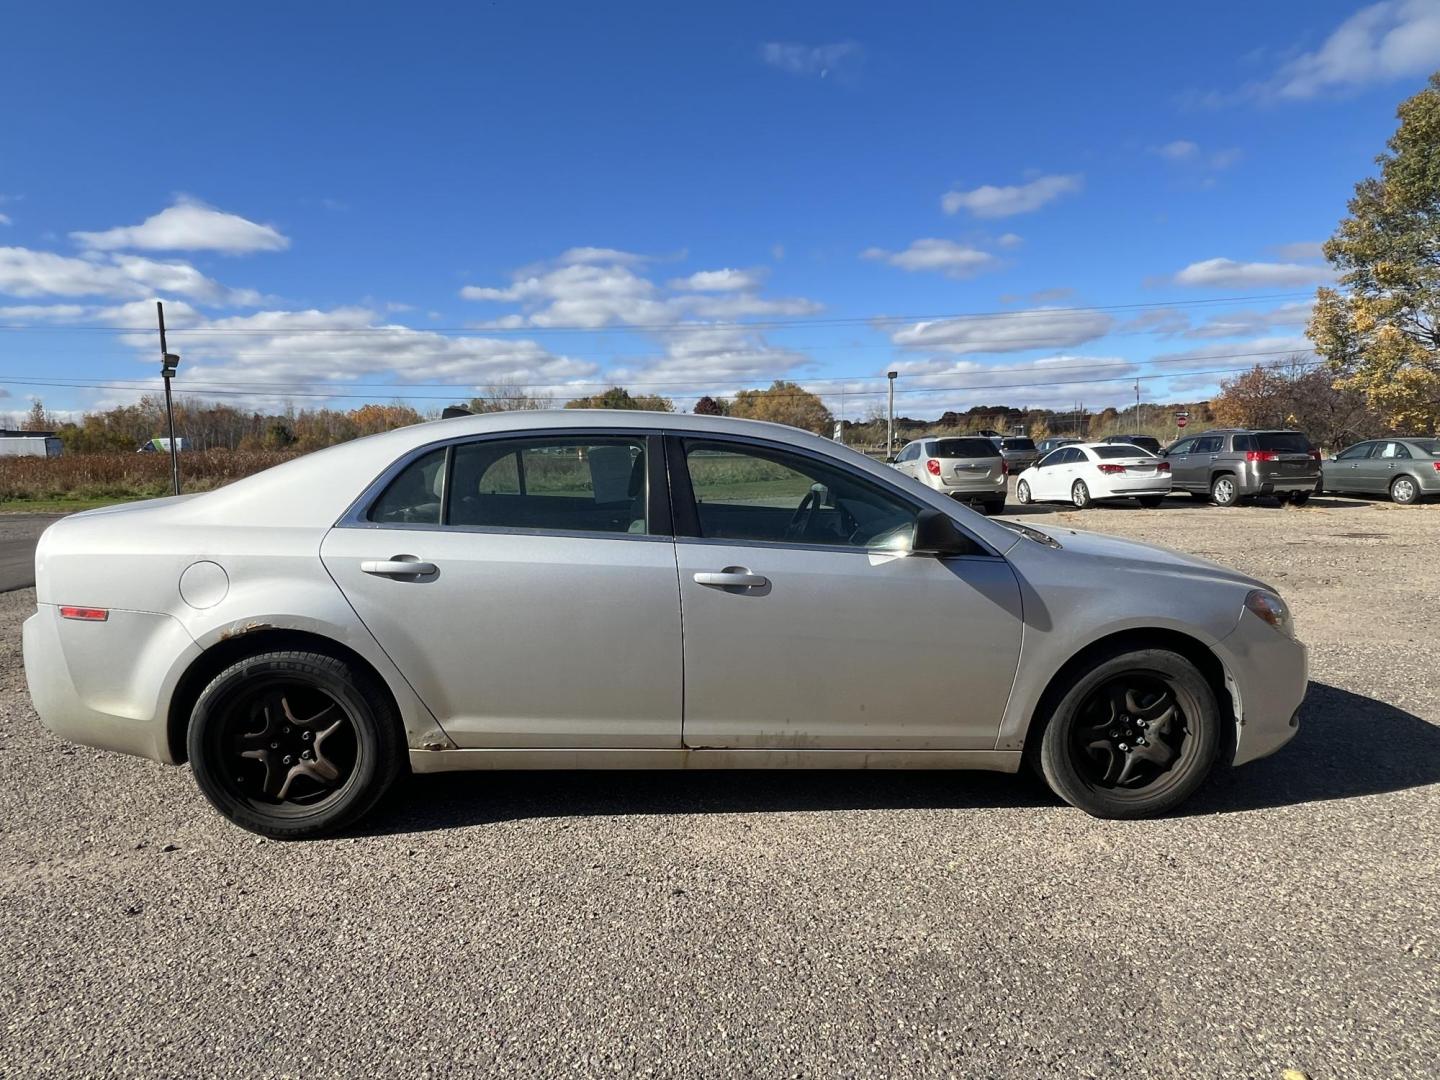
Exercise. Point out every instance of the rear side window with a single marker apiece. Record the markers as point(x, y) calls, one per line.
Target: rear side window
point(1117, 450)
point(1289, 442)
point(1428, 446)
point(414, 497)
point(963, 448)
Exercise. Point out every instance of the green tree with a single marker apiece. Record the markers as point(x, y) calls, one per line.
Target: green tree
point(617, 397)
point(784, 403)
point(1381, 331)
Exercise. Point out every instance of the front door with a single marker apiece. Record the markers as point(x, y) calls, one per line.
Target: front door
point(808, 625)
point(1179, 458)
point(526, 588)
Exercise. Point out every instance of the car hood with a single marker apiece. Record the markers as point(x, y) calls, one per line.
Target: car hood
point(1135, 556)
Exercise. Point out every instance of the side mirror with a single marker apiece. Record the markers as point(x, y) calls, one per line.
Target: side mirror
point(1334, 457)
point(890, 460)
point(937, 534)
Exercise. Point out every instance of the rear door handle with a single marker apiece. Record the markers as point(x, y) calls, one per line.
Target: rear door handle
point(738, 578)
point(400, 566)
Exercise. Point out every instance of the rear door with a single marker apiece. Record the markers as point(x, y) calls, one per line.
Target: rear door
point(808, 625)
point(1388, 461)
point(1195, 470)
point(543, 609)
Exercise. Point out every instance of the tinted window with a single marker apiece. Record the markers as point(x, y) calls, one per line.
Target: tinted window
point(413, 497)
point(1290, 442)
point(1184, 446)
point(1354, 453)
point(1427, 446)
point(755, 493)
point(1242, 442)
point(559, 484)
point(1019, 444)
point(1119, 450)
point(1208, 445)
point(962, 448)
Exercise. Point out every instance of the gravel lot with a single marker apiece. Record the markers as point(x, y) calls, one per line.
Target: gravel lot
point(776, 925)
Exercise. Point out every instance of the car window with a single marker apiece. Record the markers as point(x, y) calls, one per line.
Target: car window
point(1242, 442)
point(1120, 450)
point(1393, 450)
point(1356, 452)
point(1288, 442)
point(910, 453)
point(962, 448)
point(414, 496)
point(745, 492)
point(1427, 446)
point(1210, 444)
point(1182, 447)
point(1019, 444)
point(562, 484)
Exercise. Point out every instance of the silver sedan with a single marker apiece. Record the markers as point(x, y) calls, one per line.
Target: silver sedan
point(620, 590)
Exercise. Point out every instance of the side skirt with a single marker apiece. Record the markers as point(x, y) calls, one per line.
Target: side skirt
point(429, 761)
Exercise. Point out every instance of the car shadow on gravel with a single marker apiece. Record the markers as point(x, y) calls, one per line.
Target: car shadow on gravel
point(1348, 745)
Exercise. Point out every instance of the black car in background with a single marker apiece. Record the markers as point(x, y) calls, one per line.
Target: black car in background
point(1145, 442)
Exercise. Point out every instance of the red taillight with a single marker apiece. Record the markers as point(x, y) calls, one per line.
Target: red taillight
point(85, 614)
point(1005, 467)
point(1111, 470)
point(1261, 455)
point(932, 467)
point(1162, 466)
point(1314, 455)
point(1437, 465)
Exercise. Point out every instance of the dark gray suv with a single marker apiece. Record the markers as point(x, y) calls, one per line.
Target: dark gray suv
point(1228, 465)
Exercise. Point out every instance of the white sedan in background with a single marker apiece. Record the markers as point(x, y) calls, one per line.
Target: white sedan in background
point(1084, 472)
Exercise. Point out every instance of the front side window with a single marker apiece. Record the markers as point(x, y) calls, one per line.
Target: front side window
point(745, 492)
point(558, 484)
point(1207, 445)
point(1356, 452)
point(1181, 447)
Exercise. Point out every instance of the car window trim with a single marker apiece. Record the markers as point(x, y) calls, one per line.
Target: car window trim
point(686, 520)
point(657, 502)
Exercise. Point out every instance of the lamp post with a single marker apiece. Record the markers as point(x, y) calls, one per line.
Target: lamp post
point(890, 421)
point(168, 363)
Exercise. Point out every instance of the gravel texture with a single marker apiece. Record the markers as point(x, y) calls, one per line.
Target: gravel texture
point(754, 924)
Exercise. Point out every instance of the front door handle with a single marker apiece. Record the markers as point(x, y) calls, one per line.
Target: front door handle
point(732, 578)
point(400, 566)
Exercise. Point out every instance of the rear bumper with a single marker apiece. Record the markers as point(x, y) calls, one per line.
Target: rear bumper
point(1268, 674)
point(116, 696)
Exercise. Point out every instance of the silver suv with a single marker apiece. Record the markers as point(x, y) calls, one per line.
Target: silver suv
point(966, 467)
point(1225, 466)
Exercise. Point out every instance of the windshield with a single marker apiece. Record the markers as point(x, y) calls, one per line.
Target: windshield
point(1018, 444)
point(1290, 442)
point(1115, 450)
point(963, 448)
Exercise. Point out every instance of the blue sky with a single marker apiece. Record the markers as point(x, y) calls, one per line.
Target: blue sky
point(1023, 203)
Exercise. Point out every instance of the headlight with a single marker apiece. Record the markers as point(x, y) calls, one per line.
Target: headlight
point(1272, 609)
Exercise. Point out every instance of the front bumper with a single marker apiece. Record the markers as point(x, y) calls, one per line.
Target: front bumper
point(116, 692)
point(1267, 674)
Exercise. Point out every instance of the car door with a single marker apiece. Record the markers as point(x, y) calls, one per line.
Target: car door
point(1040, 480)
point(1179, 457)
point(809, 625)
point(1385, 462)
point(1350, 471)
point(543, 609)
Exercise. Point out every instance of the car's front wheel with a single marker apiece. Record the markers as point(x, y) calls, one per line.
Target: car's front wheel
point(1133, 737)
point(294, 744)
point(1022, 493)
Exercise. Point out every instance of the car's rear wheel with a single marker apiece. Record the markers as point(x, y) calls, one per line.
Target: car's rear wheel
point(1404, 491)
point(1151, 501)
point(1133, 737)
point(294, 744)
point(1298, 498)
point(994, 506)
point(1223, 490)
point(1022, 493)
point(1080, 495)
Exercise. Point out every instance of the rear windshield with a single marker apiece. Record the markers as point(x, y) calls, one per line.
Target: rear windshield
point(1285, 441)
point(1430, 446)
point(1018, 444)
point(1115, 450)
point(948, 448)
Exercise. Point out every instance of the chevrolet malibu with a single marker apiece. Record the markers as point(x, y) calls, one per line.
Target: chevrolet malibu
point(621, 590)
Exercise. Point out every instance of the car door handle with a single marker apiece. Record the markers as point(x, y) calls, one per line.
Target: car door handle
point(731, 579)
point(400, 566)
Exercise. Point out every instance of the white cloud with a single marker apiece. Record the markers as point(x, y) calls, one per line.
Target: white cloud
point(1263, 350)
point(1188, 153)
point(990, 201)
point(1010, 240)
point(5, 219)
point(1036, 328)
point(746, 305)
point(1241, 323)
point(1230, 274)
point(188, 225)
point(1305, 249)
point(1383, 42)
point(1179, 150)
point(28, 273)
point(818, 60)
point(1052, 381)
point(576, 255)
point(945, 256)
point(726, 280)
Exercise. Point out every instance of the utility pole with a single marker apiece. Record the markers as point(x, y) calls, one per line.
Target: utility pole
point(890, 422)
point(168, 363)
point(1137, 405)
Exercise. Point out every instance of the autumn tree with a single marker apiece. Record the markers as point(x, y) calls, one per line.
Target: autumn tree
point(784, 403)
point(617, 397)
point(1380, 332)
point(1295, 394)
point(509, 396)
point(708, 406)
point(372, 419)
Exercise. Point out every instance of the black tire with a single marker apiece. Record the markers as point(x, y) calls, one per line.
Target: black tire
point(1022, 493)
point(1150, 501)
point(1404, 490)
point(1199, 496)
point(994, 506)
point(1079, 755)
point(1223, 490)
point(319, 715)
point(1298, 498)
point(1080, 495)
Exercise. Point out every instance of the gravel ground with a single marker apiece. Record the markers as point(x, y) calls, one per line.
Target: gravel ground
point(776, 925)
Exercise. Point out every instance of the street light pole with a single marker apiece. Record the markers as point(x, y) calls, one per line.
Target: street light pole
point(168, 363)
point(890, 421)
